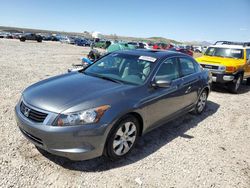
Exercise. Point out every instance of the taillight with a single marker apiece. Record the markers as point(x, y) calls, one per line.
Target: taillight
point(230, 69)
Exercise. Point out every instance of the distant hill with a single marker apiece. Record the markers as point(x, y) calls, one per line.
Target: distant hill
point(199, 43)
point(111, 36)
point(28, 30)
point(161, 39)
point(205, 43)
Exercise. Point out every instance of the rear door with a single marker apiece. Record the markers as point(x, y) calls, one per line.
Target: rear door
point(190, 80)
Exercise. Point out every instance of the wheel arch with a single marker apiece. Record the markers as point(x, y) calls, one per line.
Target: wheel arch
point(207, 89)
point(140, 120)
point(134, 114)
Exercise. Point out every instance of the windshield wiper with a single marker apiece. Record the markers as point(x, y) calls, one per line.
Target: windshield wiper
point(103, 77)
point(110, 79)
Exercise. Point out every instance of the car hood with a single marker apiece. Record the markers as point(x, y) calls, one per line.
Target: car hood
point(219, 60)
point(62, 92)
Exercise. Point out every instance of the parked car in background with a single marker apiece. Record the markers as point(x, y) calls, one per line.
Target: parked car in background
point(47, 37)
point(67, 40)
point(55, 37)
point(9, 36)
point(31, 36)
point(146, 46)
point(141, 45)
point(229, 63)
point(182, 50)
point(100, 44)
point(16, 35)
point(198, 49)
point(3, 34)
point(104, 108)
point(82, 42)
point(160, 46)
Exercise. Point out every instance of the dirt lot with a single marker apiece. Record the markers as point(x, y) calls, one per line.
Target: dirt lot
point(211, 150)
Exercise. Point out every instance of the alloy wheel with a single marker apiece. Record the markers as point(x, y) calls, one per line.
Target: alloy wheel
point(202, 101)
point(124, 138)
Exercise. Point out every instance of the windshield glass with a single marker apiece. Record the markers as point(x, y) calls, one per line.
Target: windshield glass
point(125, 68)
point(225, 52)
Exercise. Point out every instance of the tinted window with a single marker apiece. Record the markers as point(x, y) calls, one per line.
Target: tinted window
point(225, 52)
point(197, 66)
point(168, 70)
point(187, 66)
point(122, 67)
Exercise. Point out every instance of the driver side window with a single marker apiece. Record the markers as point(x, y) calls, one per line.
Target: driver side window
point(168, 70)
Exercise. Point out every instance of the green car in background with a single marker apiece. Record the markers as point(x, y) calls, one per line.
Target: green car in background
point(94, 54)
point(120, 46)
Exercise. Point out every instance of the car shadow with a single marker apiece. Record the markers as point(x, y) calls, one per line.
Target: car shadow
point(146, 145)
point(244, 88)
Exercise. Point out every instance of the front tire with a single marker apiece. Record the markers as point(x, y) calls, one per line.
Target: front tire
point(122, 138)
point(234, 86)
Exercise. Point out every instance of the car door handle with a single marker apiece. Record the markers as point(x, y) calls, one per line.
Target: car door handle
point(188, 89)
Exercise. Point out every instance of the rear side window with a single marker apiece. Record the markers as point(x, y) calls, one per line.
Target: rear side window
point(168, 70)
point(187, 66)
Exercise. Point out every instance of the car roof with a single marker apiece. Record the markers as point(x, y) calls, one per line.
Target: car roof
point(159, 54)
point(229, 46)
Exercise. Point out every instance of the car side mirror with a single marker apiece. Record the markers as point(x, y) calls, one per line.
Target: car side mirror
point(162, 83)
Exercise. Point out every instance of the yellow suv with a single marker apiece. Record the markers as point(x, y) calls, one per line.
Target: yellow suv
point(229, 63)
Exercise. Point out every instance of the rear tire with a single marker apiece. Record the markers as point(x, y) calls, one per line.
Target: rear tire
point(234, 86)
point(122, 137)
point(248, 81)
point(22, 39)
point(201, 104)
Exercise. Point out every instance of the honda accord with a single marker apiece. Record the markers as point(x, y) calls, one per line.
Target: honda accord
point(104, 108)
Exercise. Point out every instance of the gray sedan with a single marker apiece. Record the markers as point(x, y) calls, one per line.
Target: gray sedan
point(104, 108)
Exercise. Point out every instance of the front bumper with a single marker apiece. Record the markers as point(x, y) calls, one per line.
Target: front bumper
point(222, 78)
point(75, 142)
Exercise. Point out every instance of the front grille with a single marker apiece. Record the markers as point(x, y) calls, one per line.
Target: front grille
point(32, 114)
point(213, 67)
point(31, 137)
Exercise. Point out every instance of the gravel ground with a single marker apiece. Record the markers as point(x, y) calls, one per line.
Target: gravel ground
point(210, 150)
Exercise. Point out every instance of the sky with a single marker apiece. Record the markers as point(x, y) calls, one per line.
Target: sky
point(182, 20)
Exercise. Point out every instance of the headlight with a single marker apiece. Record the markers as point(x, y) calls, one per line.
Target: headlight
point(83, 117)
point(222, 68)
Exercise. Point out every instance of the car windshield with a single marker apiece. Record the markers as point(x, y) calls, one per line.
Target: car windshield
point(225, 52)
point(123, 68)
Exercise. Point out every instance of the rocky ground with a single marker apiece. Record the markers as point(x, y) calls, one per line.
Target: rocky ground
point(210, 150)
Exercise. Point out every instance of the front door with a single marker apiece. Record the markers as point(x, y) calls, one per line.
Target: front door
point(163, 102)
